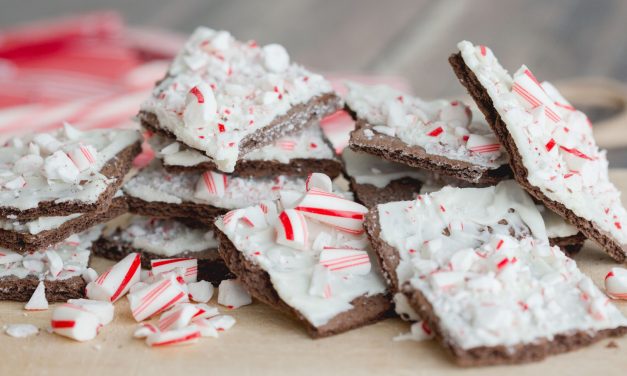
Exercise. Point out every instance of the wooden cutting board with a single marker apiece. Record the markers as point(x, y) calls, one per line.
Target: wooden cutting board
point(267, 342)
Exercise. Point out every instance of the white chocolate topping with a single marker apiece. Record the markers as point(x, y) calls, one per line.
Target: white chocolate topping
point(64, 260)
point(38, 225)
point(318, 277)
point(165, 237)
point(440, 127)
point(369, 169)
point(219, 90)
point(61, 166)
point(554, 140)
point(481, 258)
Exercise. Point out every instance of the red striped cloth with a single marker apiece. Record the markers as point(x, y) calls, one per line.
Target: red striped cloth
point(93, 71)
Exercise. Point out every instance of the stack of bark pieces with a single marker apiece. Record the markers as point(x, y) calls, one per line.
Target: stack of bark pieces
point(55, 190)
point(231, 125)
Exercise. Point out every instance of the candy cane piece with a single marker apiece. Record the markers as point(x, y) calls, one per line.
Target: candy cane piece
point(340, 213)
point(345, 261)
point(184, 336)
point(103, 310)
point(232, 294)
point(200, 106)
point(115, 282)
point(291, 230)
point(321, 282)
point(483, 144)
point(205, 327)
point(16, 183)
point(156, 298)
point(222, 322)
point(177, 317)
point(531, 94)
point(89, 275)
point(201, 291)
point(144, 329)
point(54, 262)
point(38, 301)
point(75, 322)
point(289, 199)
point(83, 156)
point(319, 181)
point(8, 257)
point(445, 280)
point(189, 267)
point(616, 283)
point(210, 185)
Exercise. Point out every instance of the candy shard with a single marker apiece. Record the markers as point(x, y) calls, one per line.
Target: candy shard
point(156, 298)
point(200, 106)
point(21, 330)
point(89, 275)
point(59, 166)
point(38, 301)
point(319, 181)
point(200, 291)
point(75, 322)
point(345, 261)
point(616, 283)
point(232, 294)
point(116, 282)
point(275, 58)
point(103, 310)
point(144, 329)
point(177, 317)
point(292, 230)
point(211, 185)
point(184, 336)
point(189, 266)
point(222, 322)
point(333, 210)
point(83, 156)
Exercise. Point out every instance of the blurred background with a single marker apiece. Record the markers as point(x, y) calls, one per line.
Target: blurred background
point(579, 44)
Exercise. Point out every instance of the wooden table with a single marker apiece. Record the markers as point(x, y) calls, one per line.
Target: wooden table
point(267, 342)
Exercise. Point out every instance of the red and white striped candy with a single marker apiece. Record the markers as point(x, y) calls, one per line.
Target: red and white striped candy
point(38, 301)
point(144, 329)
point(291, 229)
point(115, 282)
point(201, 291)
point(184, 336)
point(8, 257)
point(434, 130)
point(75, 322)
point(319, 181)
point(338, 212)
point(420, 331)
point(346, 261)
point(531, 94)
point(456, 112)
point(574, 158)
point(205, 327)
point(177, 317)
point(83, 156)
point(232, 294)
point(256, 216)
point(321, 282)
point(286, 144)
point(188, 266)
point(211, 185)
point(156, 298)
point(616, 283)
point(54, 263)
point(483, 144)
point(200, 106)
point(204, 311)
point(104, 310)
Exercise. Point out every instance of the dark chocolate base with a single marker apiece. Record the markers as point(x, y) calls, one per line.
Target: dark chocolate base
point(21, 289)
point(395, 150)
